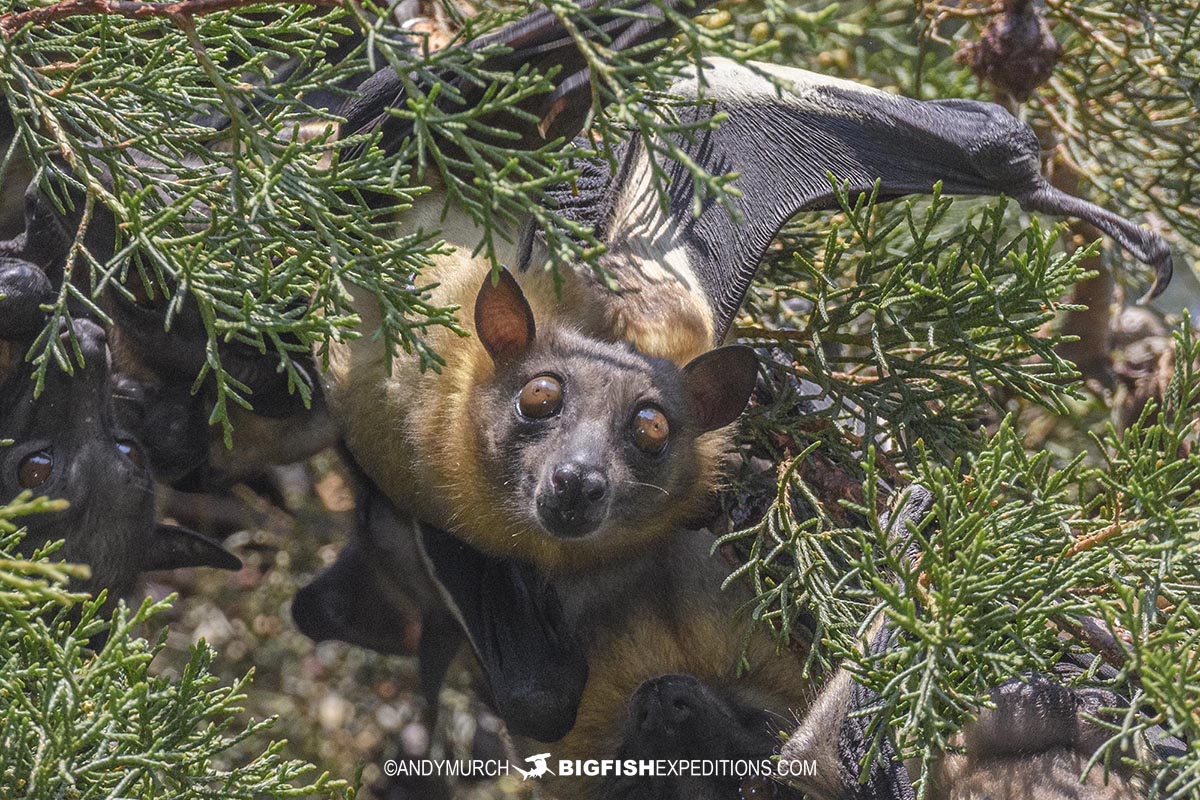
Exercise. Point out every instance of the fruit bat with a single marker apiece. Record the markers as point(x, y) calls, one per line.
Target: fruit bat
point(528, 444)
point(155, 370)
point(638, 661)
point(69, 444)
point(1035, 738)
point(426, 438)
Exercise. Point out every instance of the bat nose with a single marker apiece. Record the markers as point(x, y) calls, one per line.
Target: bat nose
point(572, 501)
point(666, 706)
point(90, 336)
point(578, 486)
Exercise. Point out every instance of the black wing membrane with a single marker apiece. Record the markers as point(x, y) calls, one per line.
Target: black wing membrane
point(787, 130)
point(533, 666)
point(541, 41)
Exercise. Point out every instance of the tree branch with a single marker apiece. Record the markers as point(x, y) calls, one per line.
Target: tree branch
point(12, 22)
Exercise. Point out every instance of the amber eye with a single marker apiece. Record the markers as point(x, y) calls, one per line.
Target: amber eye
point(650, 430)
point(35, 469)
point(541, 397)
point(130, 450)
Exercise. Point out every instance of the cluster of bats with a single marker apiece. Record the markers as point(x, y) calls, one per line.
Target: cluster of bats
point(533, 498)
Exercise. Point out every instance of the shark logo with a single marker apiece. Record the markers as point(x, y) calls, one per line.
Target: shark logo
point(539, 768)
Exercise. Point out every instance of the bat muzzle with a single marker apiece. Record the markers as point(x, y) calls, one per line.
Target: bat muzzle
point(572, 500)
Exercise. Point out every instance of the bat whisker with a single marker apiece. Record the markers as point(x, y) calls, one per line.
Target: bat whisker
point(649, 486)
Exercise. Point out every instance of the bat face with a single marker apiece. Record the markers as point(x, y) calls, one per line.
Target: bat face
point(585, 436)
point(66, 445)
point(677, 717)
point(589, 439)
point(169, 421)
point(157, 399)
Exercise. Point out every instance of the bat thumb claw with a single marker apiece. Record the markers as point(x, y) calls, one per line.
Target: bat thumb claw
point(1164, 268)
point(1143, 244)
point(550, 116)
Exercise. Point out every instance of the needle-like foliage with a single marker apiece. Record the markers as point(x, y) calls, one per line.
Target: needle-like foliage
point(205, 134)
point(912, 342)
point(82, 716)
point(918, 343)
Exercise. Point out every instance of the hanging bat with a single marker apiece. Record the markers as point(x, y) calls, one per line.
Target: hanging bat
point(537, 441)
point(69, 444)
point(640, 661)
point(1034, 740)
point(156, 369)
point(519, 451)
point(569, 663)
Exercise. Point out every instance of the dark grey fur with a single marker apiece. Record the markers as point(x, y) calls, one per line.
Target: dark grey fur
point(109, 524)
point(677, 717)
point(603, 386)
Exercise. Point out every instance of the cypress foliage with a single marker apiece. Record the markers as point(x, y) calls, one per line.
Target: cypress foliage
point(82, 716)
point(924, 340)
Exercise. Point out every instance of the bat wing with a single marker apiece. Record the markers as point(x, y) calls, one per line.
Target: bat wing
point(534, 667)
point(538, 40)
point(786, 131)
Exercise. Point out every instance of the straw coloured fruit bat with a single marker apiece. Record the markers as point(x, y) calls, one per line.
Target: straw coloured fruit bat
point(639, 661)
point(463, 450)
point(590, 445)
point(1036, 741)
point(528, 444)
point(155, 370)
point(69, 444)
point(567, 662)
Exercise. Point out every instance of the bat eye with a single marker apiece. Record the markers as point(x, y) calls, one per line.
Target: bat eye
point(130, 450)
point(756, 787)
point(541, 398)
point(650, 430)
point(35, 468)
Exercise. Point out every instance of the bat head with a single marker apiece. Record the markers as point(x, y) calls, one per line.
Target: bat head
point(678, 717)
point(586, 439)
point(66, 444)
point(170, 422)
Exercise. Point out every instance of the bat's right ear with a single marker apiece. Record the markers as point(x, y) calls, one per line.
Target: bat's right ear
point(503, 318)
point(719, 384)
point(175, 547)
point(343, 604)
point(532, 663)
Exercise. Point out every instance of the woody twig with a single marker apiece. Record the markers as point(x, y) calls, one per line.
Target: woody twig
point(179, 11)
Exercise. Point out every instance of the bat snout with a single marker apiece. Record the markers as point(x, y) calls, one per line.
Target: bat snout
point(93, 342)
point(572, 500)
point(667, 708)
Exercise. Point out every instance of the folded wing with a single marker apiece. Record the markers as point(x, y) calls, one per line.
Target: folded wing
point(786, 131)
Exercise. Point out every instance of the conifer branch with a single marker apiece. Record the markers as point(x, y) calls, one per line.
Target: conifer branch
point(12, 22)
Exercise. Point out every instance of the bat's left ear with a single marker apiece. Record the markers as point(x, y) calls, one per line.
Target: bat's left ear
point(344, 604)
point(719, 384)
point(503, 318)
point(24, 288)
